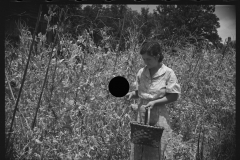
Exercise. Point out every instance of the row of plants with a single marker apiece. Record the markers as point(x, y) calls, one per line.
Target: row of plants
point(78, 117)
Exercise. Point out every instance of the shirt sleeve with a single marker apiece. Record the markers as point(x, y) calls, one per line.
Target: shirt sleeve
point(172, 84)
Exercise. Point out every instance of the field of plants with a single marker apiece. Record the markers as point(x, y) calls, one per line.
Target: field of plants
point(66, 112)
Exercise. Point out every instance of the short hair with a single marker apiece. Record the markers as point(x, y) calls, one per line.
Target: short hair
point(152, 48)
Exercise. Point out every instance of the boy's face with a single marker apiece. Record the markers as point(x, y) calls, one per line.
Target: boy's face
point(150, 61)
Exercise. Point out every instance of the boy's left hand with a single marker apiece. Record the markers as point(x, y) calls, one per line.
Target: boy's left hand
point(149, 105)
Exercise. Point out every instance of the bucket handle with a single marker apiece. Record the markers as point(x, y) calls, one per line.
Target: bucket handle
point(148, 120)
point(148, 117)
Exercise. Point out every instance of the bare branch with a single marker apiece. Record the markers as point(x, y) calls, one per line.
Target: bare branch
point(109, 17)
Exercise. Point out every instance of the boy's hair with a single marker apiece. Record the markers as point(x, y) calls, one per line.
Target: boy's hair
point(152, 48)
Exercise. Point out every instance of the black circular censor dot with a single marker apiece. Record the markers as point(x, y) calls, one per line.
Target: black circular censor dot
point(118, 86)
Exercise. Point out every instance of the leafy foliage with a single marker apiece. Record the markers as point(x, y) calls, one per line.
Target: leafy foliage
point(79, 118)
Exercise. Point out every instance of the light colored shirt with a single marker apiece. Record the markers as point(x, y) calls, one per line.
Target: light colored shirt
point(155, 87)
point(152, 88)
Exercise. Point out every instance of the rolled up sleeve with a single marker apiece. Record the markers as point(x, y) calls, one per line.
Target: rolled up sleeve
point(172, 84)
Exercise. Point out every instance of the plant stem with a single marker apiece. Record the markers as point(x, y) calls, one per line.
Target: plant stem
point(39, 101)
point(24, 76)
point(119, 44)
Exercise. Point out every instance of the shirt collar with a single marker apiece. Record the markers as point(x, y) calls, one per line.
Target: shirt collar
point(160, 71)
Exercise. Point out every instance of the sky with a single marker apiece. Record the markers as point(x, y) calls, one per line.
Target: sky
point(225, 13)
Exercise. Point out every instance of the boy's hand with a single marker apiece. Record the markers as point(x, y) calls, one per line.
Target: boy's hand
point(129, 95)
point(149, 105)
